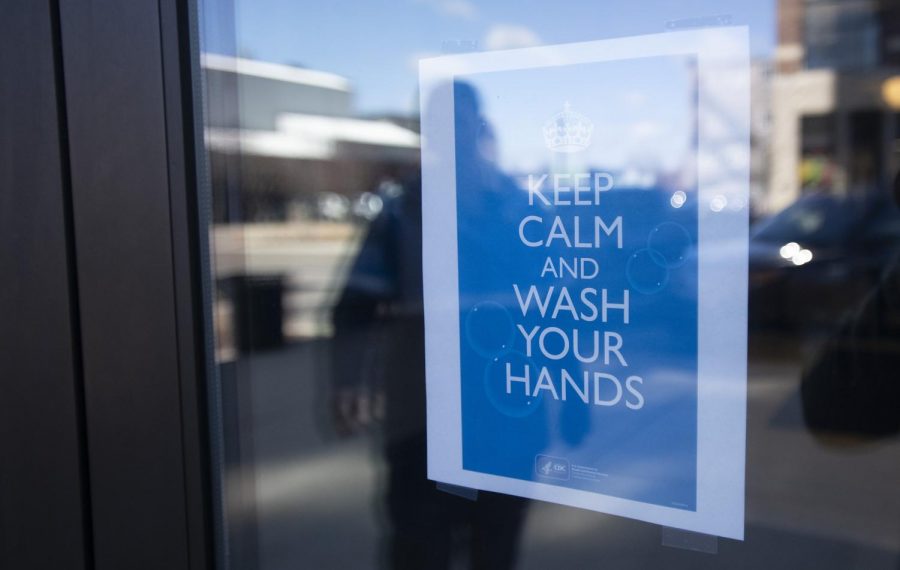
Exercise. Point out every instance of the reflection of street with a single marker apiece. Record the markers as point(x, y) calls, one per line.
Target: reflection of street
point(830, 501)
point(311, 256)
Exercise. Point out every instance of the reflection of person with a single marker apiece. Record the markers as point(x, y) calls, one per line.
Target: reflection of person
point(852, 386)
point(383, 300)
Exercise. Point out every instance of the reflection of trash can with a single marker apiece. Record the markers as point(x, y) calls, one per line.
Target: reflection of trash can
point(258, 311)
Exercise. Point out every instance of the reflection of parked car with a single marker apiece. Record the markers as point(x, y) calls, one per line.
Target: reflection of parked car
point(332, 206)
point(338, 208)
point(816, 259)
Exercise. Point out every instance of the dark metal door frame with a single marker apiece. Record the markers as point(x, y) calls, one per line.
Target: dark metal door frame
point(104, 358)
point(44, 492)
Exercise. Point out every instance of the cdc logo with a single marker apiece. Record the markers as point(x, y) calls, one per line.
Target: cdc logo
point(552, 467)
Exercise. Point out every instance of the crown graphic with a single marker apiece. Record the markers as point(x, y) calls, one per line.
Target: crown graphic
point(568, 131)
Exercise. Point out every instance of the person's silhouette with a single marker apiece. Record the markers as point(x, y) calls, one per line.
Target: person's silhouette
point(381, 305)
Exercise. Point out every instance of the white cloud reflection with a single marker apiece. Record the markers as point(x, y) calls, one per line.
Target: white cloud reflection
point(510, 36)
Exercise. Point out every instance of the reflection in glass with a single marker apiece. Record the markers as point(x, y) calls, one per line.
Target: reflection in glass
point(314, 170)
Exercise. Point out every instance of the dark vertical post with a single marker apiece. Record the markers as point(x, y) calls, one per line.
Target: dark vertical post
point(44, 503)
point(135, 222)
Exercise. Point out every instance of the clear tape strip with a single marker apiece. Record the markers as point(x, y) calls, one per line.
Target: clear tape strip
point(689, 540)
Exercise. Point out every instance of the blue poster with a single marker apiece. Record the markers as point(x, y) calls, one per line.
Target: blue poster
point(570, 194)
point(578, 291)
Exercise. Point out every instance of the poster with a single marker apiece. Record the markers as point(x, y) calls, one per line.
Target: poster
point(585, 220)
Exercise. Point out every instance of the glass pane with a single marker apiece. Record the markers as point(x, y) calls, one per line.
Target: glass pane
point(317, 137)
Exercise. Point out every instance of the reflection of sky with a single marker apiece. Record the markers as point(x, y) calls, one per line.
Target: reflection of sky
point(376, 43)
point(640, 109)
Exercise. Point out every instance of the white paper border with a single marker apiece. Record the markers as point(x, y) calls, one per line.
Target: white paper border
point(723, 157)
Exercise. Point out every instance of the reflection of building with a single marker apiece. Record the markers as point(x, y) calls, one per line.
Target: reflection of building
point(296, 136)
point(287, 149)
point(760, 133)
point(831, 129)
